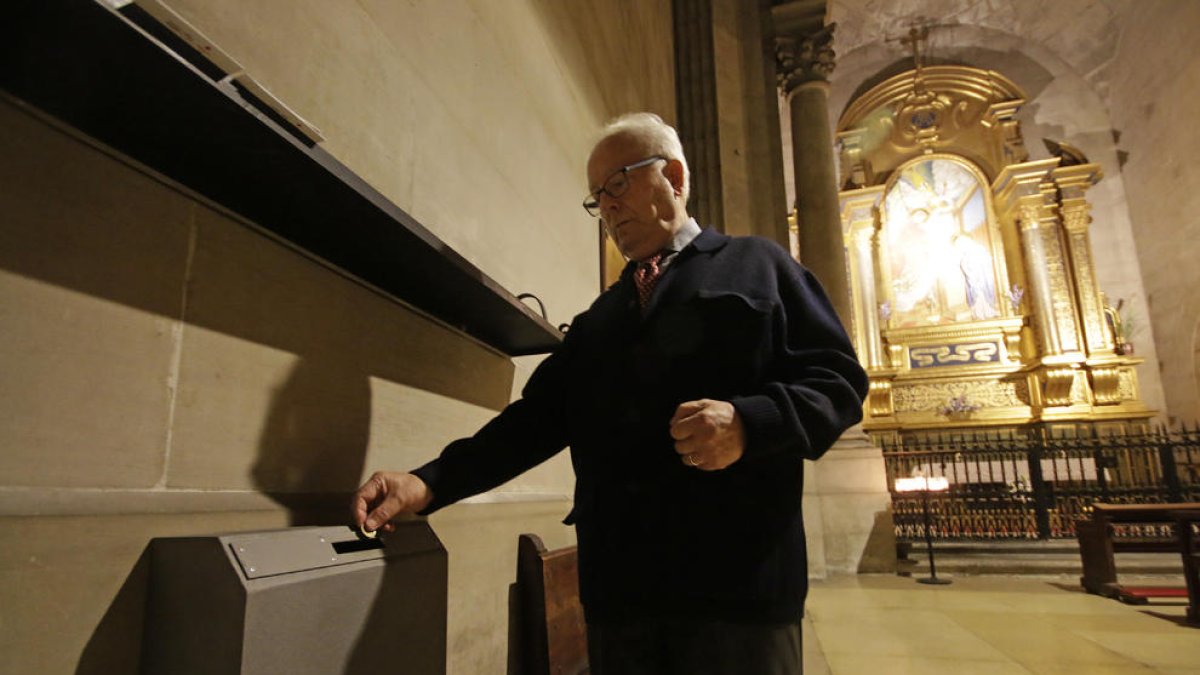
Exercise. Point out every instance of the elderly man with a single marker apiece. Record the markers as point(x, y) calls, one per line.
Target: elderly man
point(690, 393)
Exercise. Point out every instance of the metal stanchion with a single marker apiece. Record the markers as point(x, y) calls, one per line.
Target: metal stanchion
point(926, 485)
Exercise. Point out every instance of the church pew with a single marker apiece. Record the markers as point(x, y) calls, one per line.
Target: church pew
point(1097, 545)
point(554, 635)
point(1185, 521)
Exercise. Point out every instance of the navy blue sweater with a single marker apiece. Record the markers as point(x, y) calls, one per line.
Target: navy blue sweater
point(733, 319)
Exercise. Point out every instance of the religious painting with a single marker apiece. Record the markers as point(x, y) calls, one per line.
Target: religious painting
point(940, 259)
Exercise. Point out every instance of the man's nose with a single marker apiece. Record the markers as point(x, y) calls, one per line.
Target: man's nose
point(608, 203)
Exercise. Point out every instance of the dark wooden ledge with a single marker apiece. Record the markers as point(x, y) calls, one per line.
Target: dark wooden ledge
point(121, 79)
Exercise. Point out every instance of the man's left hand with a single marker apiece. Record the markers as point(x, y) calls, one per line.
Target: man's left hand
point(708, 434)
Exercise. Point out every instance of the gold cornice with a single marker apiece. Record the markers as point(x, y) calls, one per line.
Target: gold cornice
point(854, 202)
point(976, 329)
point(958, 109)
point(1077, 175)
point(983, 85)
point(992, 371)
point(1021, 180)
point(874, 192)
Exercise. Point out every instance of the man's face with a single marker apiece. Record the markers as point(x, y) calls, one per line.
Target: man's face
point(643, 219)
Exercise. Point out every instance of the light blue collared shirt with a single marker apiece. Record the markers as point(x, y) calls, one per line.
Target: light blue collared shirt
point(684, 236)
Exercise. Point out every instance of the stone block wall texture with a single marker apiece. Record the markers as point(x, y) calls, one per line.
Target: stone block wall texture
point(1153, 96)
point(171, 371)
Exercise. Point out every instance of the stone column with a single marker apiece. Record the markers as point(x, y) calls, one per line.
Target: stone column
point(846, 503)
point(728, 117)
point(804, 63)
point(696, 108)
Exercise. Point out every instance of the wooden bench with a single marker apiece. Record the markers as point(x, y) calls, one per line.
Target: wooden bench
point(553, 632)
point(1097, 546)
point(1186, 520)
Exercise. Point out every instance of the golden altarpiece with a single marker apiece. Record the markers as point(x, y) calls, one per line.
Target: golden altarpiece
point(975, 298)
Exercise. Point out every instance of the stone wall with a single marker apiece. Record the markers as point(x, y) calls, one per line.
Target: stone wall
point(1153, 95)
point(170, 371)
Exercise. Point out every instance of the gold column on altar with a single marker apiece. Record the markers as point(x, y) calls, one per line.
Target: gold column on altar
point(860, 217)
point(1075, 212)
point(1024, 192)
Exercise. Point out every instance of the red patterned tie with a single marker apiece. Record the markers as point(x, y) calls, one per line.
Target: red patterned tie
point(646, 276)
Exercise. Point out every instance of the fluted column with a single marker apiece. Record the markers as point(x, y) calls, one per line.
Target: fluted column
point(860, 218)
point(865, 247)
point(1073, 182)
point(696, 108)
point(1049, 275)
point(1028, 195)
point(804, 63)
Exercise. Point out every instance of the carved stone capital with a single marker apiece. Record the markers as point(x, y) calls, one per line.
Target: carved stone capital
point(800, 59)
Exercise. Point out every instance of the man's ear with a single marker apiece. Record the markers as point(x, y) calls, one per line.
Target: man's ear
point(674, 173)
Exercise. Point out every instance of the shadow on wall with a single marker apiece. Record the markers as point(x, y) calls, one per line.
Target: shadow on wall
point(115, 646)
point(311, 456)
point(313, 447)
point(879, 551)
point(79, 219)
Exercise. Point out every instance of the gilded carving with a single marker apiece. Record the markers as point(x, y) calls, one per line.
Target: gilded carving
point(1012, 144)
point(1090, 309)
point(1106, 385)
point(1128, 386)
point(954, 354)
point(1058, 386)
point(1013, 343)
point(1075, 217)
point(935, 108)
point(879, 398)
point(1031, 214)
point(932, 397)
point(1061, 303)
point(1079, 390)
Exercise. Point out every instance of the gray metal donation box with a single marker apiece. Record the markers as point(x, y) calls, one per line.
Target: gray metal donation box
point(300, 601)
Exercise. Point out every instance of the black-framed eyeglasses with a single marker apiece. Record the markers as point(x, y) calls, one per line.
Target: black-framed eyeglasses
point(616, 185)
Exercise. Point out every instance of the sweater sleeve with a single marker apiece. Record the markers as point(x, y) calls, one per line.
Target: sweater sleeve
point(816, 386)
point(526, 433)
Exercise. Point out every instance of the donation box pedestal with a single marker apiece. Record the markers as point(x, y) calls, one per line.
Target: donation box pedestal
point(304, 600)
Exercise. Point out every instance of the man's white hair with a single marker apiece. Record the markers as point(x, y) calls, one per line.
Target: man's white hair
point(657, 136)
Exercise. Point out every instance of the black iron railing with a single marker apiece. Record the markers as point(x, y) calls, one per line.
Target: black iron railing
point(1037, 487)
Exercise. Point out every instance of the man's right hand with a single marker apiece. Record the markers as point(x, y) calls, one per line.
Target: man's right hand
point(386, 495)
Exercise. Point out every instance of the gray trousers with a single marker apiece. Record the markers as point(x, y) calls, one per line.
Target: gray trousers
point(680, 646)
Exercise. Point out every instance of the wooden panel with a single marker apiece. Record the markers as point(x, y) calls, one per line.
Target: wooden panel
point(555, 635)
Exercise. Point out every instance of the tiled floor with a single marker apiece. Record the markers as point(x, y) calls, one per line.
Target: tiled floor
point(890, 625)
